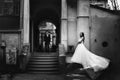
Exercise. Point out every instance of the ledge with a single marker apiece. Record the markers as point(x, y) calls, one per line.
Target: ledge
point(10, 31)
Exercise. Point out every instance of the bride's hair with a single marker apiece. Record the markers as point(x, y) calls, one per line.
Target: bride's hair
point(82, 35)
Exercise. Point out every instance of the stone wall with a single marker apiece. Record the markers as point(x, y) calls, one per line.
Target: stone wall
point(105, 30)
point(12, 45)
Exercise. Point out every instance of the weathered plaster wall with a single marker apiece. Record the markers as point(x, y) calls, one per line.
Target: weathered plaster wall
point(105, 38)
point(72, 24)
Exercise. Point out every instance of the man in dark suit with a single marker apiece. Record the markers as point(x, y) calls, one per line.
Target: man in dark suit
point(47, 40)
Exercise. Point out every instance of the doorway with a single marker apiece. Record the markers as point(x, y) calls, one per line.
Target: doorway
point(47, 37)
point(45, 20)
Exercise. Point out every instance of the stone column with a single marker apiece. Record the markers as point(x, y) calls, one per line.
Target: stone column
point(83, 19)
point(26, 30)
point(63, 45)
point(24, 26)
point(21, 22)
point(72, 25)
point(26, 22)
point(64, 24)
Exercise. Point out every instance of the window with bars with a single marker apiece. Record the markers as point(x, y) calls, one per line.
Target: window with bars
point(9, 7)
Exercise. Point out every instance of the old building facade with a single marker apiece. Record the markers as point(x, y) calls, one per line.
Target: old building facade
point(26, 23)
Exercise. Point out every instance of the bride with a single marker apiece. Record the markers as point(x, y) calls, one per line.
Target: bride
point(88, 59)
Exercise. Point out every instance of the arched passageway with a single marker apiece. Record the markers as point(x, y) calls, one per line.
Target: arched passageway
point(43, 19)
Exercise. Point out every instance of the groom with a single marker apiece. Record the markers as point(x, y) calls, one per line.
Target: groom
point(47, 41)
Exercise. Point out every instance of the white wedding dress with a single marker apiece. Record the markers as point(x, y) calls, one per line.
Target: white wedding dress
point(88, 59)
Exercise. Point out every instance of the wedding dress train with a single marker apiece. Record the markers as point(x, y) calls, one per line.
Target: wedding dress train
point(88, 59)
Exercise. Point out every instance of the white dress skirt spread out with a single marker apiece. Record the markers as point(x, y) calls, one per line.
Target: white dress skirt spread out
point(88, 59)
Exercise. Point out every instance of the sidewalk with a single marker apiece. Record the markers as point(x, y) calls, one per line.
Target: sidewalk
point(37, 77)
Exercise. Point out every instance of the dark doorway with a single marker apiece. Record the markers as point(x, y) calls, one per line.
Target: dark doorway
point(45, 15)
point(47, 37)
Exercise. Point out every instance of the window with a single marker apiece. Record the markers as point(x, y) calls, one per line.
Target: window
point(9, 7)
point(1, 7)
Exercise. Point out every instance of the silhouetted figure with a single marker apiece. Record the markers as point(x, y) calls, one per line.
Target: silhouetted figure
point(47, 41)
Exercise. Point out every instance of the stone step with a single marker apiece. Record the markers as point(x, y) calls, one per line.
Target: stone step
point(43, 64)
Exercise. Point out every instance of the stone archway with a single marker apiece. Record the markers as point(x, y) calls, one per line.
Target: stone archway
point(40, 13)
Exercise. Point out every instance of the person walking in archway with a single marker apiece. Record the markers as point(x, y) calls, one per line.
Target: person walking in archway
point(47, 41)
